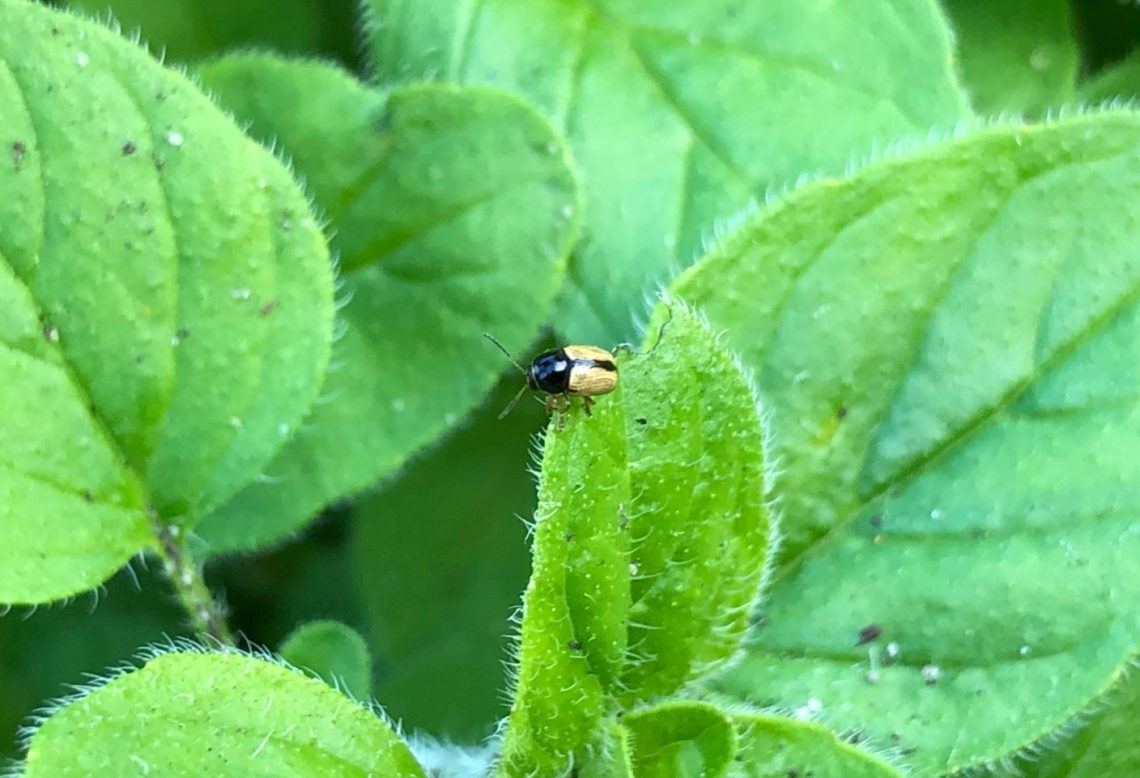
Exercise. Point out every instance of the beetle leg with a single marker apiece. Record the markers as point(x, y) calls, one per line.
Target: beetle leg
point(550, 402)
point(586, 403)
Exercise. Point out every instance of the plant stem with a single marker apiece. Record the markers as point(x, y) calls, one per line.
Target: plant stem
point(207, 614)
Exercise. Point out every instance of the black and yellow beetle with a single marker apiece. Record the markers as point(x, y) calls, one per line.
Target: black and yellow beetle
point(562, 373)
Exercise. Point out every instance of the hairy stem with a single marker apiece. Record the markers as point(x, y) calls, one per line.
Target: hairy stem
point(207, 614)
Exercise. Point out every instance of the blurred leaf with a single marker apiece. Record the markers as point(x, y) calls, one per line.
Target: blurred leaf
point(663, 551)
point(1121, 81)
point(453, 214)
point(949, 341)
point(1108, 32)
point(1016, 55)
point(680, 113)
point(680, 739)
point(38, 664)
point(774, 746)
point(220, 715)
point(333, 652)
point(143, 377)
point(447, 536)
point(193, 29)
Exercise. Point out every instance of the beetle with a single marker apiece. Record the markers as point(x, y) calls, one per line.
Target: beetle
point(562, 373)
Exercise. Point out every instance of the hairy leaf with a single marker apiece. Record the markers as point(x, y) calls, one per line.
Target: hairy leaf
point(453, 210)
point(680, 113)
point(333, 652)
point(219, 715)
point(650, 544)
point(577, 603)
point(142, 240)
point(698, 513)
point(950, 340)
point(680, 739)
point(774, 746)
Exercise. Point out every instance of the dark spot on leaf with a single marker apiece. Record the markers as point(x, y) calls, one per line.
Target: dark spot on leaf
point(869, 633)
point(50, 332)
point(129, 148)
point(841, 412)
point(181, 334)
point(793, 772)
point(877, 520)
point(18, 152)
point(268, 308)
point(55, 31)
point(642, 420)
point(574, 645)
point(568, 536)
point(87, 496)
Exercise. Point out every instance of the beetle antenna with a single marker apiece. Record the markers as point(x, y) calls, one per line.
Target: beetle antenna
point(503, 349)
point(515, 401)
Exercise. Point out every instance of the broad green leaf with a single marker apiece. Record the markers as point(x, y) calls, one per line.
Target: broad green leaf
point(1015, 55)
point(1101, 742)
point(576, 606)
point(220, 715)
point(680, 113)
point(192, 29)
point(698, 513)
point(333, 652)
point(948, 342)
point(1120, 81)
point(680, 739)
point(774, 746)
point(165, 303)
point(453, 211)
point(447, 536)
point(132, 609)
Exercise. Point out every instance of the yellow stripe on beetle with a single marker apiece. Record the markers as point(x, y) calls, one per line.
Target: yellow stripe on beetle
point(578, 371)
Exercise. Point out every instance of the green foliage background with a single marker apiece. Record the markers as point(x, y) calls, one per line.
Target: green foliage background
point(420, 492)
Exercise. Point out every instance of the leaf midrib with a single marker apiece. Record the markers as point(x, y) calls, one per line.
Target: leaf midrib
point(979, 421)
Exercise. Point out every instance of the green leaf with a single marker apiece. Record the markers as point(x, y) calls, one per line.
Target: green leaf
point(453, 211)
point(696, 457)
point(680, 113)
point(132, 609)
point(1100, 742)
point(1121, 81)
point(192, 29)
point(1016, 55)
point(576, 605)
point(948, 341)
point(141, 237)
point(680, 739)
point(216, 714)
point(775, 746)
point(651, 532)
point(611, 758)
point(333, 652)
point(446, 536)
